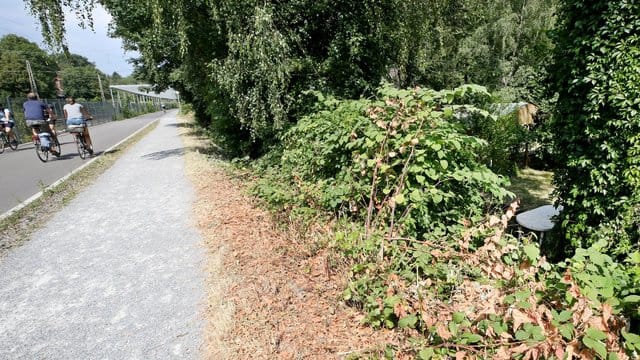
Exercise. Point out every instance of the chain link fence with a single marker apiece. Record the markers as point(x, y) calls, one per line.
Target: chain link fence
point(102, 112)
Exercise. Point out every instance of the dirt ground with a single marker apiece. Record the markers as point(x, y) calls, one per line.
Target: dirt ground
point(270, 295)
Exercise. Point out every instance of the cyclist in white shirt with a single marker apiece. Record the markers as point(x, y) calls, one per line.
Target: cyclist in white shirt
point(7, 123)
point(76, 114)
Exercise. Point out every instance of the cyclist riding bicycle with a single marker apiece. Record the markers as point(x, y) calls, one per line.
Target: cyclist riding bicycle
point(7, 123)
point(76, 114)
point(37, 113)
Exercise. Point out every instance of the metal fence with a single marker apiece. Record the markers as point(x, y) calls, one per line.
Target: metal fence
point(101, 111)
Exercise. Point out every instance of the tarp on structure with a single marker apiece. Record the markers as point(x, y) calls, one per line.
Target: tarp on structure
point(526, 112)
point(146, 90)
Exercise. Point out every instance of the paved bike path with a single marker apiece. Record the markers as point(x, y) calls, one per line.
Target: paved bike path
point(116, 274)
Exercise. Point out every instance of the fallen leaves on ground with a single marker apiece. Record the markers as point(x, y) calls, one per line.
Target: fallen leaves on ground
point(270, 296)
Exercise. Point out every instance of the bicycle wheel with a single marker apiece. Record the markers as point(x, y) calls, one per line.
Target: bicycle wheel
point(57, 154)
point(43, 155)
point(3, 137)
point(13, 142)
point(80, 145)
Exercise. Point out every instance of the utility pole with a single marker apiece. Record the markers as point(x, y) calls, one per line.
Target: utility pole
point(101, 90)
point(32, 80)
point(113, 102)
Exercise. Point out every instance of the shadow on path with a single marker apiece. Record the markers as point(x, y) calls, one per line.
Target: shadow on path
point(159, 155)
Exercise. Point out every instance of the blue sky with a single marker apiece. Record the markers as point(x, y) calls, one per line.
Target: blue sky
point(106, 53)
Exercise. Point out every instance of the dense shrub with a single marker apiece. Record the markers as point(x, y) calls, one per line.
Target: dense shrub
point(427, 258)
point(596, 74)
point(401, 159)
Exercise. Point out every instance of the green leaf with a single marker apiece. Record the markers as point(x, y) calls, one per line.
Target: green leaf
point(392, 301)
point(416, 196)
point(631, 299)
point(564, 316)
point(631, 339)
point(453, 328)
point(598, 258)
point(399, 199)
point(425, 354)
point(522, 294)
point(449, 98)
point(566, 330)
point(408, 321)
point(532, 251)
point(498, 327)
point(458, 317)
point(444, 164)
point(522, 335)
point(472, 338)
point(524, 305)
point(596, 346)
point(346, 294)
point(596, 334)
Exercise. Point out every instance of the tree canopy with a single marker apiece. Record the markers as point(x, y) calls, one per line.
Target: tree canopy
point(79, 76)
point(247, 65)
point(14, 77)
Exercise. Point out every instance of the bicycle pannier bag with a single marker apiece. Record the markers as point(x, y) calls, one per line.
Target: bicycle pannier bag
point(45, 141)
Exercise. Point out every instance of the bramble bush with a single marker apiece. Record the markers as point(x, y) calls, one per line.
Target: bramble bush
point(400, 160)
point(428, 257)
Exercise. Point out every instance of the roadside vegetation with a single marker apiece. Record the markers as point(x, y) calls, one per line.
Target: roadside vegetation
point(364, 117)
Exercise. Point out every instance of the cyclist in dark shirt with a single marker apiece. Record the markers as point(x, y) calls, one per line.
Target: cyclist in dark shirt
point(37, 113)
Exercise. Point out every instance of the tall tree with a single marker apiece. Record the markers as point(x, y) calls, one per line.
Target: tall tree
point(247, 65)
point(14, 77)
point(596, 74)
point(79, 76)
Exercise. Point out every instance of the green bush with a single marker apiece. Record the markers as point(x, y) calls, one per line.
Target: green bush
point(400, 161)
point(427, 257)
point(596, 74)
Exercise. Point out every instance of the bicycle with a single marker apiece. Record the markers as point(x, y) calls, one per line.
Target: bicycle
point(4, 141)
point(81, 144)
point(43, 142)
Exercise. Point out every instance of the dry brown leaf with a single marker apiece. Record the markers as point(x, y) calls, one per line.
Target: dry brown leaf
point(518, 318)
point(502, 354)
point(494, 220)
point(607, 311)
point(442, 331)
point(559, 351)
point(400, 310)
point(520, 349)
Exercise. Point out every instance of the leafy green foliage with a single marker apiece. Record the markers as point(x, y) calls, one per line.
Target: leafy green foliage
point(256, 74)
point(79, 76)
point(597, 121)
point(396, 160)
point(14, 78)
point(466, 286)
point(499, 295)
point(247, 66)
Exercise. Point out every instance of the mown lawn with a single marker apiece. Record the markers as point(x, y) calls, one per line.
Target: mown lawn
point(533, 188)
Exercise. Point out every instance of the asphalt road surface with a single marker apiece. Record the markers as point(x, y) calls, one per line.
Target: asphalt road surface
point(23, 175)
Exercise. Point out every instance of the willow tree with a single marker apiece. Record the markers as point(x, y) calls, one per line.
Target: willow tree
point(596, 74)
point(247, 66)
